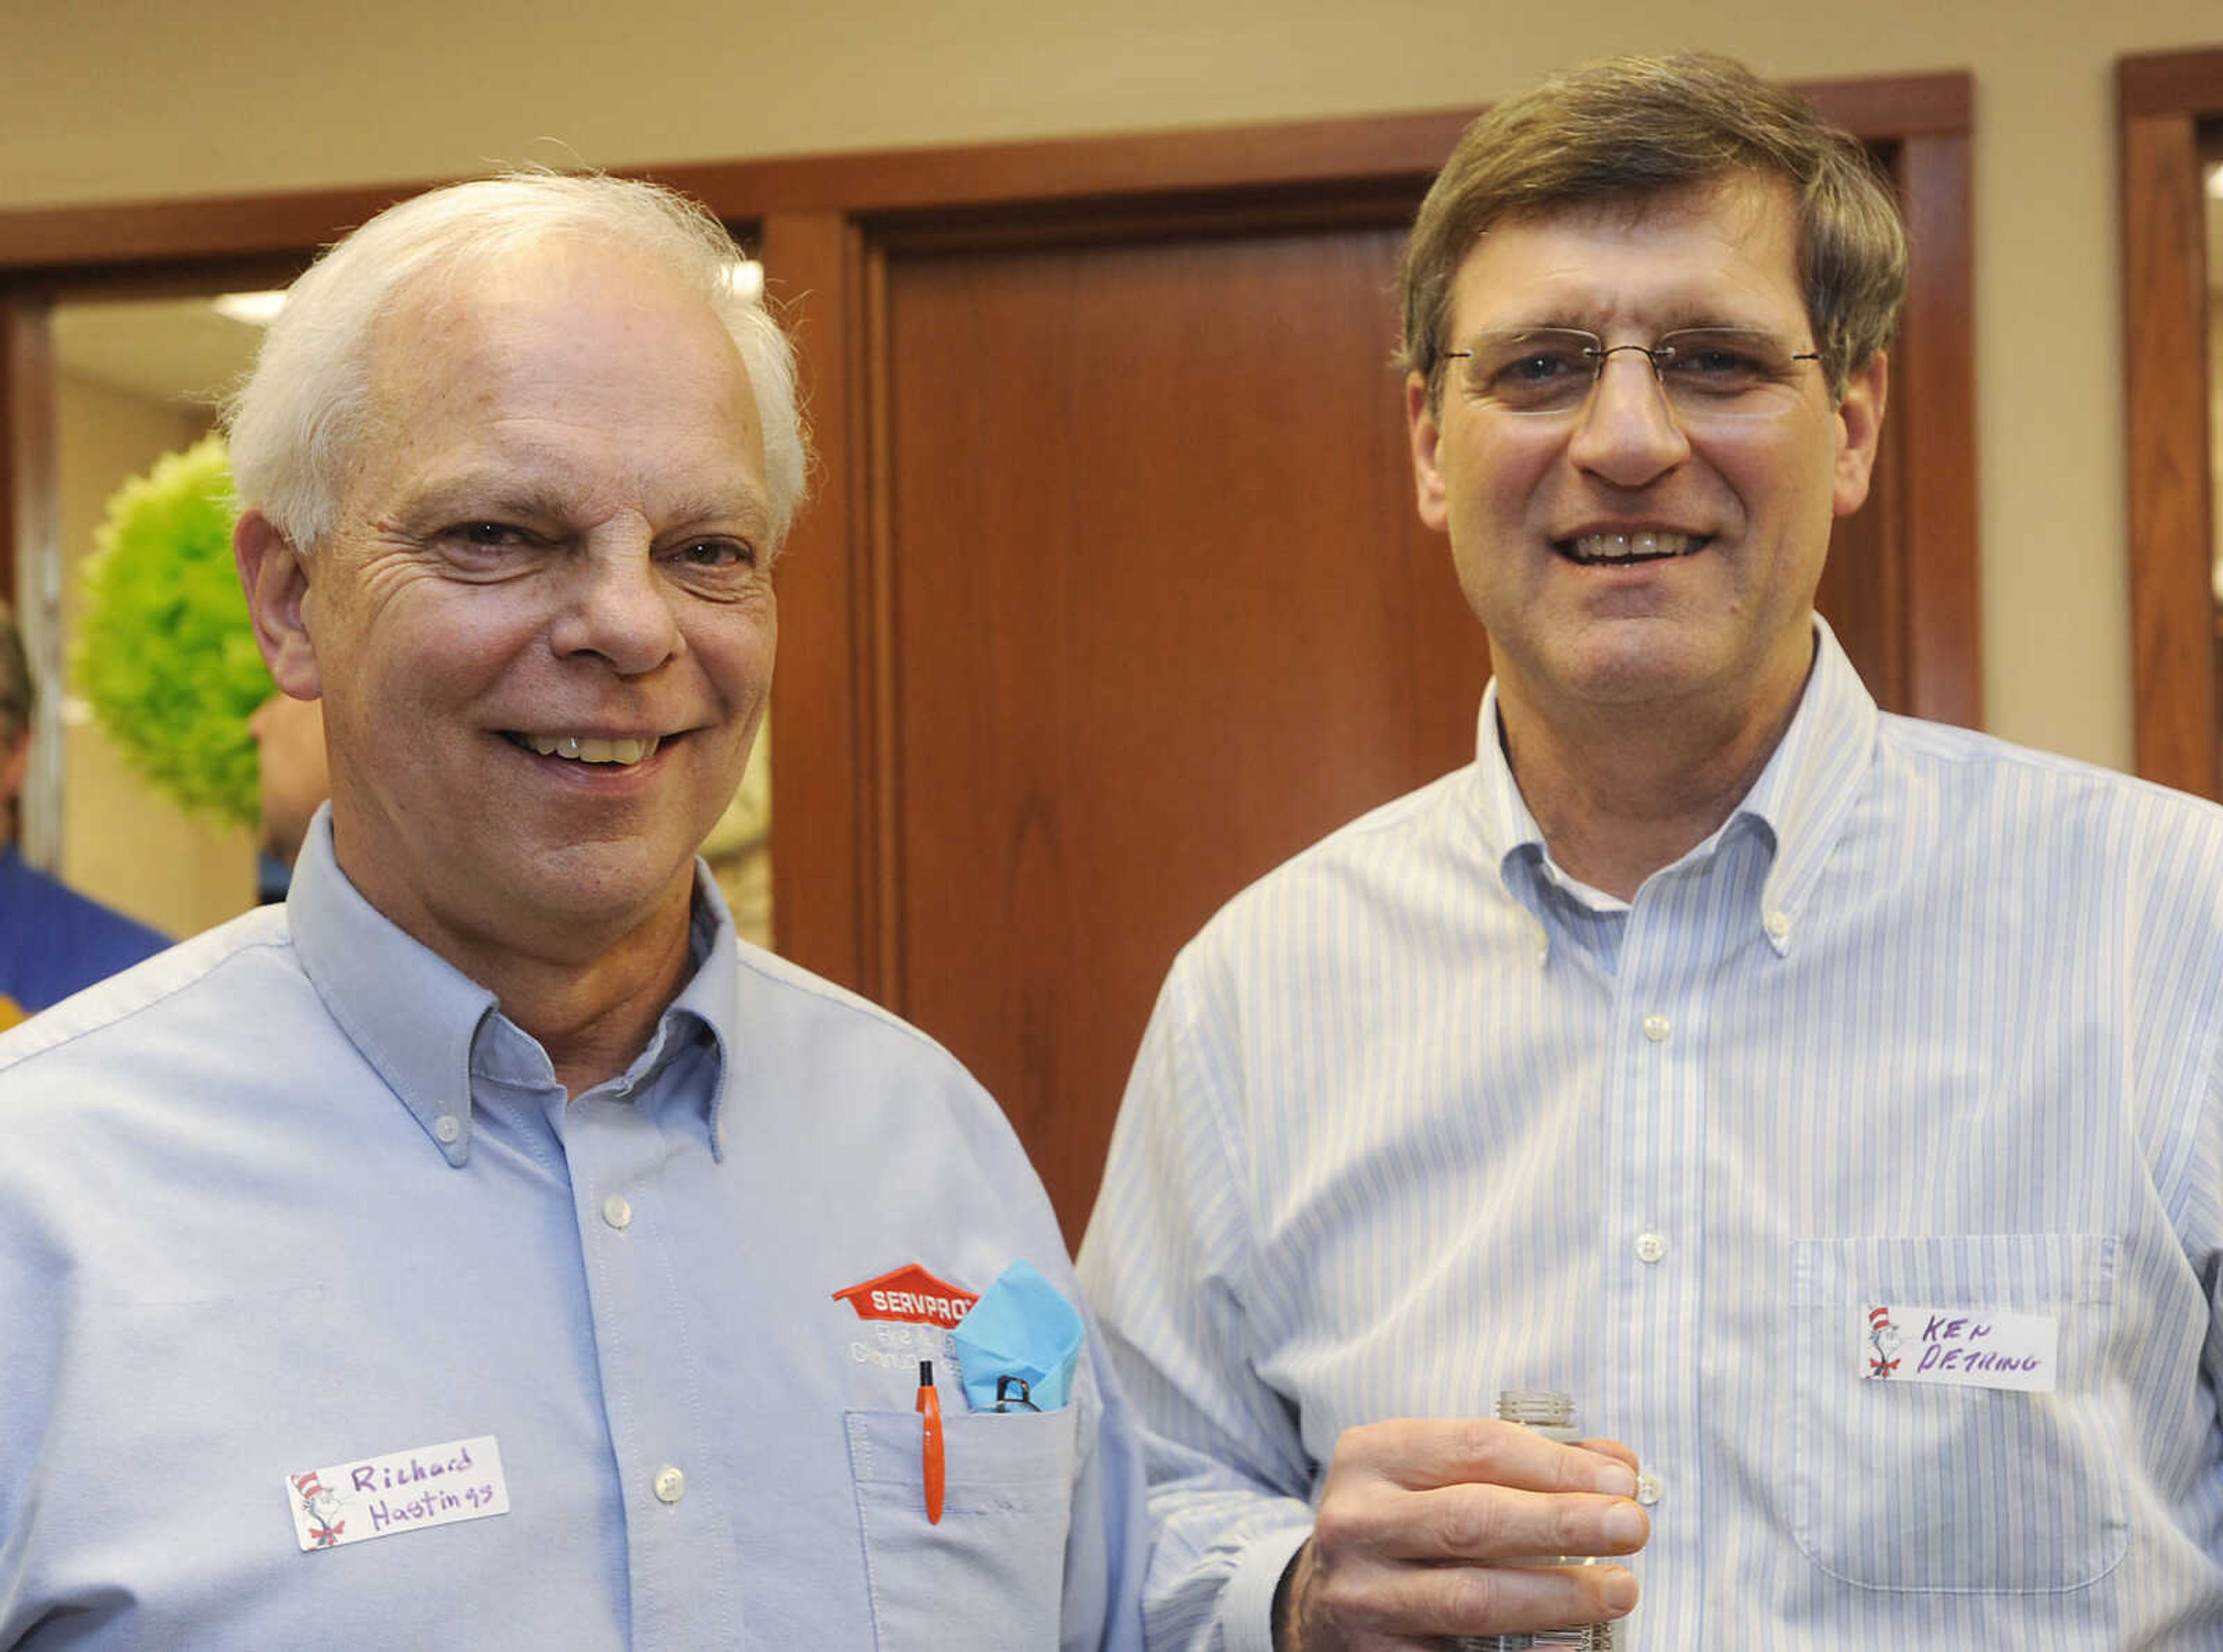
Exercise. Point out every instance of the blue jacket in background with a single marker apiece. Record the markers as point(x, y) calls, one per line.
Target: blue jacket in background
point(54, 941)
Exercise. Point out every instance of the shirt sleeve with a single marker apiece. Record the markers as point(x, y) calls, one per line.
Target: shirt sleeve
point(2201, 1224)
point(2173, 995)
point(26, 1378)
point(1169, 1263)
point(1110, 1537)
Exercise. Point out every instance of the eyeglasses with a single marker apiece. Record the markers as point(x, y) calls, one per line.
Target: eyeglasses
point(1706, 373)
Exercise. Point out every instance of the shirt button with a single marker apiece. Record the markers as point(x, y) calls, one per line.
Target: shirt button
point(670, 1485)
point(617, 1212)
point(1651, 1246)
point(1655, 1027)
point(1777, 924)
point(446, 1129)
point(1647, 1489)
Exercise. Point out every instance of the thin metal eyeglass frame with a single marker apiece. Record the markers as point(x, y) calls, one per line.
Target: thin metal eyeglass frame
point(1660, 354)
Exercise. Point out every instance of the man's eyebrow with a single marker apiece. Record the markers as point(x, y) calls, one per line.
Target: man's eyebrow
point(1696, 316)
point(745, 506)
point(479, 495)
point(502, 495)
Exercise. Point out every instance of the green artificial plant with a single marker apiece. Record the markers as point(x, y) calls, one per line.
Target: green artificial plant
point(165, 651)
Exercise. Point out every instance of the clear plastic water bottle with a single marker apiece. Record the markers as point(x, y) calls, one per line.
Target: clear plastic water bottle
point(1553, 1417)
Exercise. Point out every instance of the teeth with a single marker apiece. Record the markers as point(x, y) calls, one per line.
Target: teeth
point(1629, 547)
point(589, 750)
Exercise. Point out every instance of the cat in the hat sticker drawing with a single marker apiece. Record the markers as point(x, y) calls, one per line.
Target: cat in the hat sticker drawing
point(1883, 1340)
point(320, 1503)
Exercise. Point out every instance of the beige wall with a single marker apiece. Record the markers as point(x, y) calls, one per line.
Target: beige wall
point(132, 98)
point(122, 843)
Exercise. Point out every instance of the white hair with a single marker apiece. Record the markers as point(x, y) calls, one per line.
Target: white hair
point(294, 424)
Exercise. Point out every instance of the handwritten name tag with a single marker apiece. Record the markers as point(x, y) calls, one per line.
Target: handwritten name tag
point(404, 1490)
point(1959, 1347)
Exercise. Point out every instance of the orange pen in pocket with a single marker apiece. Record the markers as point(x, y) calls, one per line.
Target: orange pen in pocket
point(929, 1411)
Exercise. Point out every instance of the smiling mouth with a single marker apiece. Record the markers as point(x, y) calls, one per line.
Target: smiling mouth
point(577, 748)
point(1624, 550)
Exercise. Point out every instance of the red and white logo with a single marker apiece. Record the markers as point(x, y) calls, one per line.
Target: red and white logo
point(911, 1294)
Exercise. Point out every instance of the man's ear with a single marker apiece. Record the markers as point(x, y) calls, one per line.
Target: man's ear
point(275, 575)
point(1426, 437)
point(1859, 415)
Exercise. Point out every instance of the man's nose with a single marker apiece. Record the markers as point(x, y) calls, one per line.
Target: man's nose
point(1627, 432)
point(618, 606)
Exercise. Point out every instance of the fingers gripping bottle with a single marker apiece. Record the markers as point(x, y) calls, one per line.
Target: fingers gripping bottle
point(1553, 1417)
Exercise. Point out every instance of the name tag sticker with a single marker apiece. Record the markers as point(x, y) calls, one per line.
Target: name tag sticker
point(1959, 1347)
point(404, 1490)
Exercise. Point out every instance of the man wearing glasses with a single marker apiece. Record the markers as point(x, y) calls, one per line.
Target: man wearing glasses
point(1827, 1100)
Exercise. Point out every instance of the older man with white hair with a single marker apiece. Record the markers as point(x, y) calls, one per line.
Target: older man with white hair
point(485, 1248)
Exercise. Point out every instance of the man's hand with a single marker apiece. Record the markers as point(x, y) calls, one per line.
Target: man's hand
point(1417, 1520)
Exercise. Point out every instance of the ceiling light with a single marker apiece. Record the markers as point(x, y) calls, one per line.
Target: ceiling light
point(255, 309)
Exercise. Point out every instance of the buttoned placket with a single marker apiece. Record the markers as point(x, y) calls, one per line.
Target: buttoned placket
point(681, 1575)
point(1656, 1127)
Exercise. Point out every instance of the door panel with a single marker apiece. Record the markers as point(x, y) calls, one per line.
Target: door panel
point(1163, 614)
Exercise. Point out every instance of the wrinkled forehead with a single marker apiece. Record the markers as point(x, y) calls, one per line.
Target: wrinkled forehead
point(557, 311)
point(1743, 206)
point(1732, 241)
point(461, 292)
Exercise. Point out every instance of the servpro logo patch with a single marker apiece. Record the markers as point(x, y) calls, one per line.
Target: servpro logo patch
point(911, 1294)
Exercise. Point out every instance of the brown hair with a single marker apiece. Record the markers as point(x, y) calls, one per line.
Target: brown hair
point(1628, 129)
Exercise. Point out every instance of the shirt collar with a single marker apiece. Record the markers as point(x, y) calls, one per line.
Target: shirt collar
point(1810, 781)
point(1799, 801)
point(419, 1021)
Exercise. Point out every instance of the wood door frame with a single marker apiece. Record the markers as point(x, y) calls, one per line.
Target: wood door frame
point(2162, 99)
point(824, 225)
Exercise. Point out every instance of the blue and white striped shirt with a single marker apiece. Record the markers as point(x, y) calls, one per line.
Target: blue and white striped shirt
point(1932, 1020)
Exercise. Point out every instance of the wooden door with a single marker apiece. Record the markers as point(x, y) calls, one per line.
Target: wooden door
point(1162, 615)
point(2169, 108)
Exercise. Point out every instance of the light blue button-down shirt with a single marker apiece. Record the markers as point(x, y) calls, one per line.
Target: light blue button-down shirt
point(297, 1194)
point(1931, 1021)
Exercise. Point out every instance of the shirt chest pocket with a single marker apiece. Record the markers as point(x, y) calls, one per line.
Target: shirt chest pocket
point(991, 1575)
point(1914, 1486)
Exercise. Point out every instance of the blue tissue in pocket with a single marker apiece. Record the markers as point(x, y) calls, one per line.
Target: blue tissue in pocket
point(1023, 1328)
